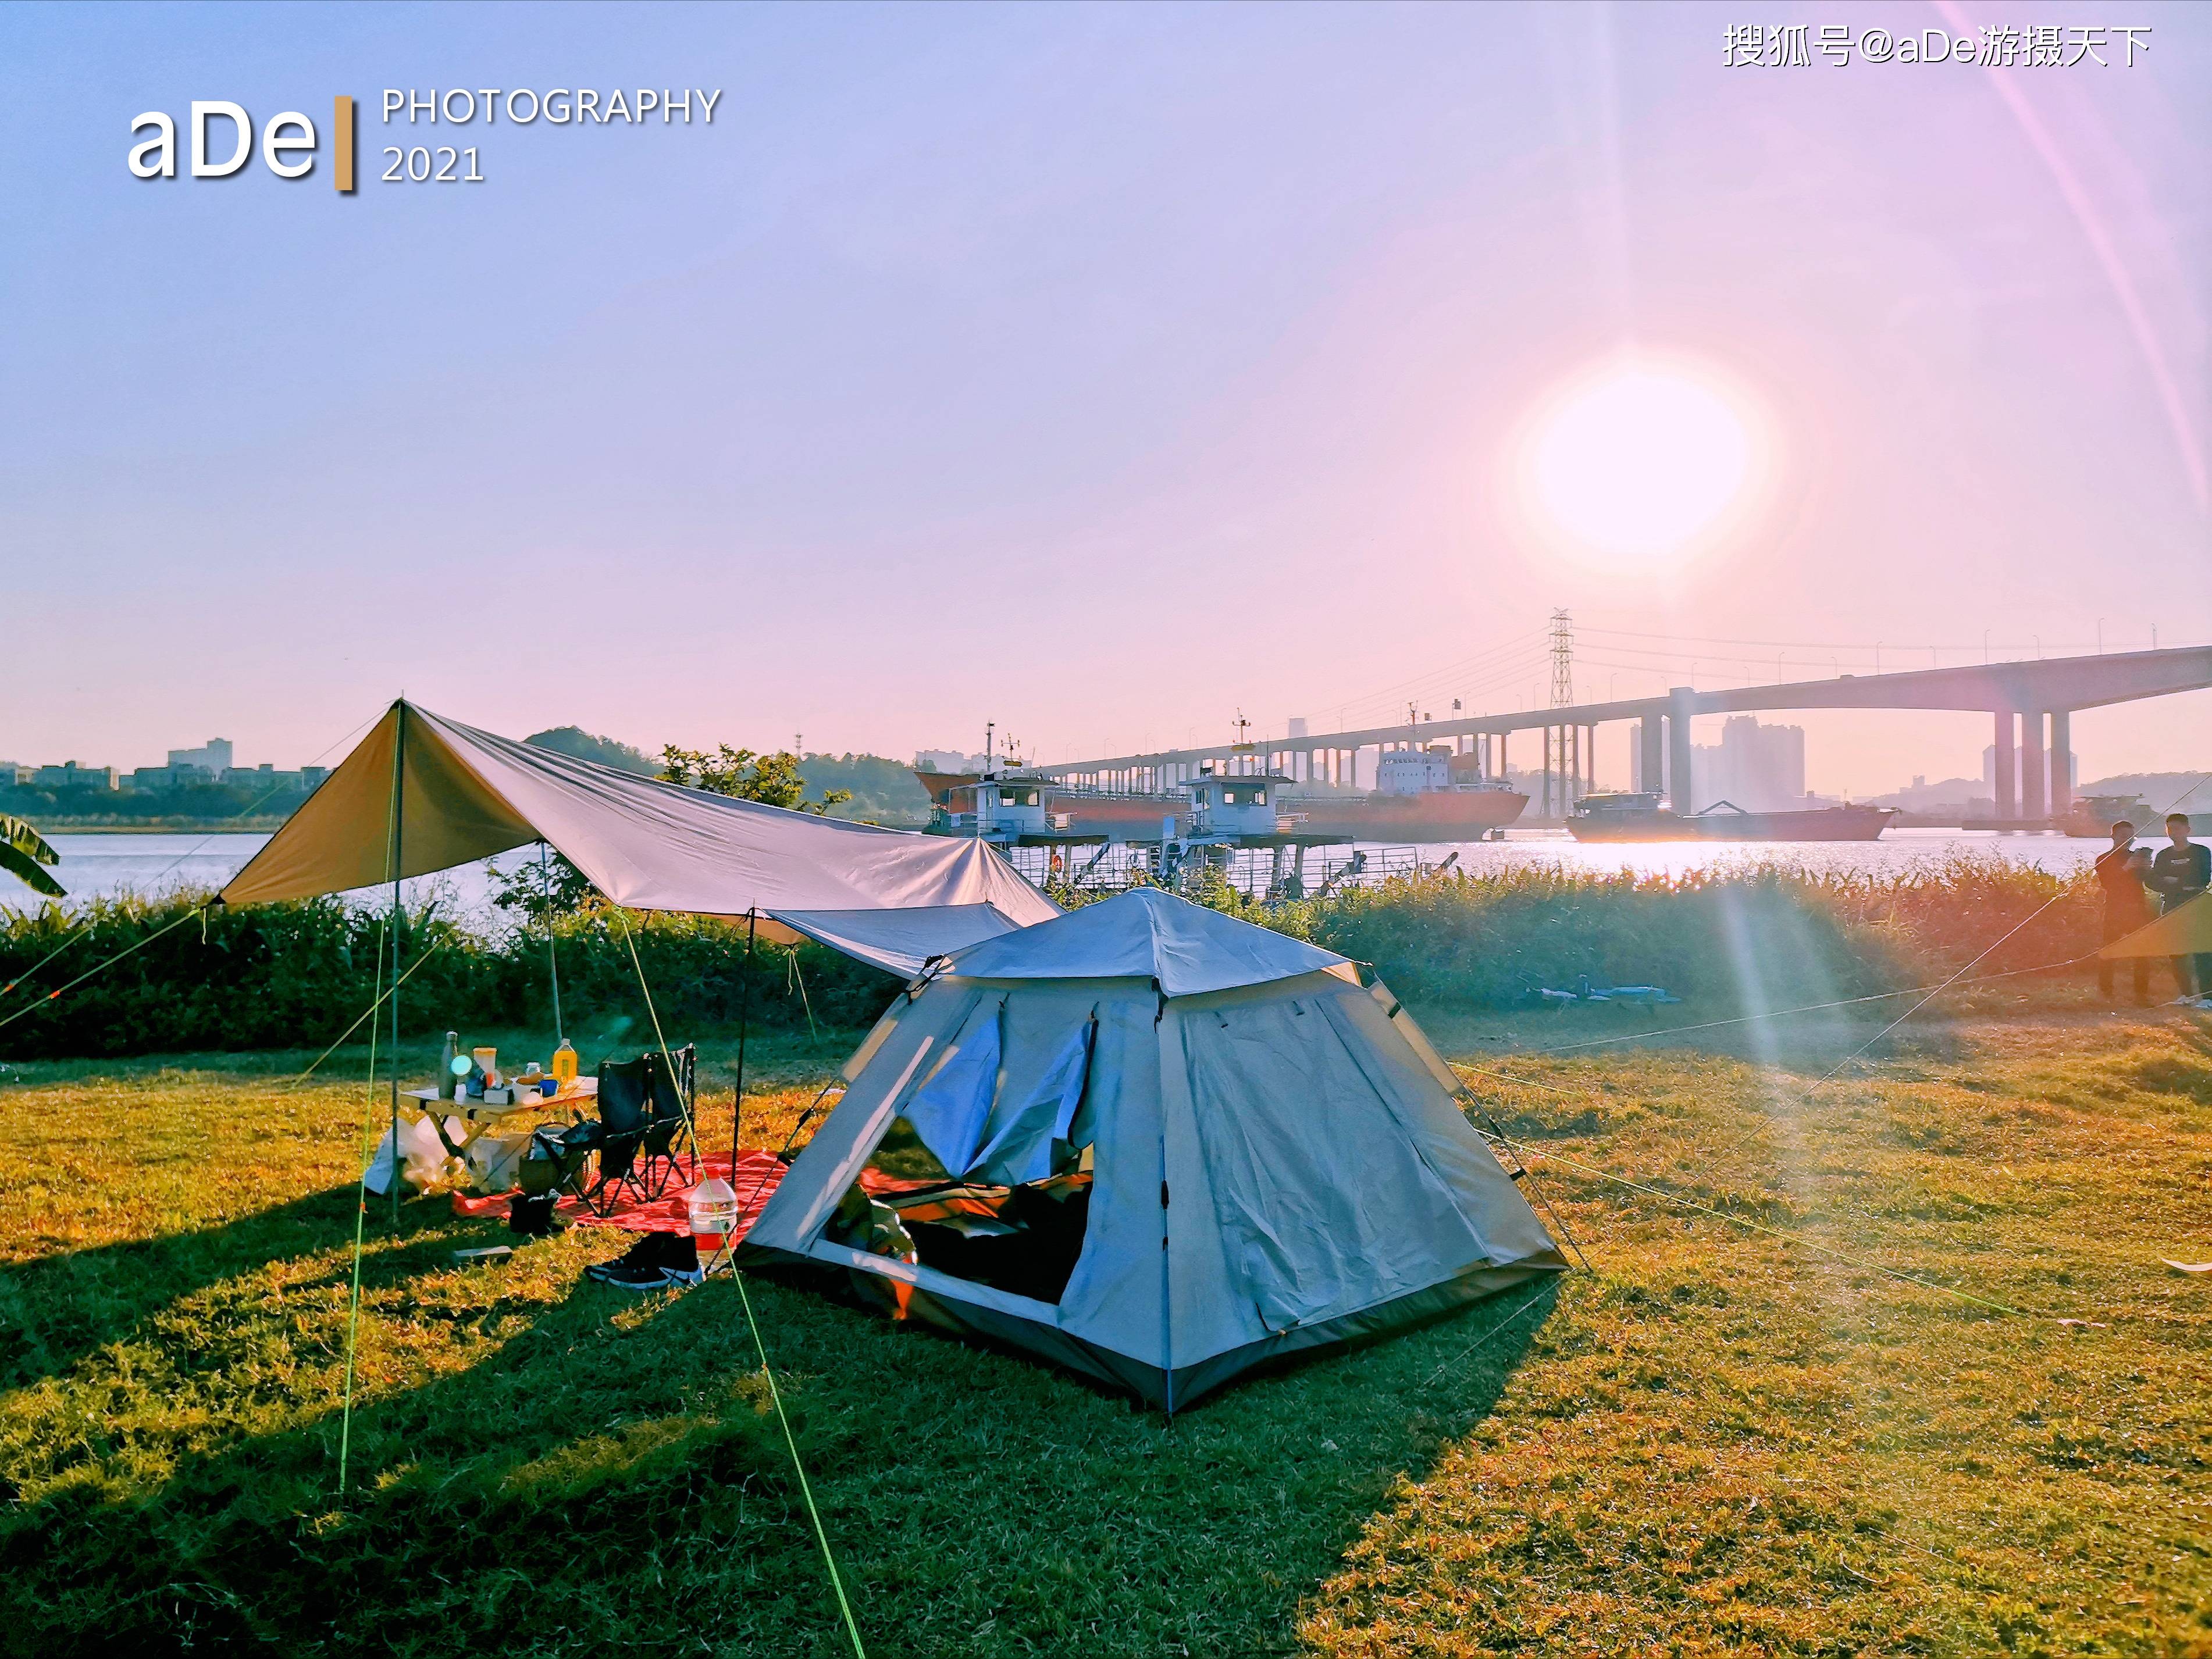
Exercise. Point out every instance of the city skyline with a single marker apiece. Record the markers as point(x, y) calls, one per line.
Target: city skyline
point(1741, 764)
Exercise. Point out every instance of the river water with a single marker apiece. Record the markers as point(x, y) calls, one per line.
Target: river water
point(108, 865)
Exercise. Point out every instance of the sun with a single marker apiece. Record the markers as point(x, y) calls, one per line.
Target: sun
point(1640, 461)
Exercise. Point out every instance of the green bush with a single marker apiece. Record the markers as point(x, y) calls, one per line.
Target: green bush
point(296, 975)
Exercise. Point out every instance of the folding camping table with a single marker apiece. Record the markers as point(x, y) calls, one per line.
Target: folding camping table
point(480, 1118)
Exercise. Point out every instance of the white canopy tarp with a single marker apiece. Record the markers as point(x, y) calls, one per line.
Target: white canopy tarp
point(1147, 934)
point(889, 896)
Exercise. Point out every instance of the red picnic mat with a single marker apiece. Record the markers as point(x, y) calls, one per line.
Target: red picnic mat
point(757, 1175)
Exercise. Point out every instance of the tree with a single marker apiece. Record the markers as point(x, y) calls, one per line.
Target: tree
point(607, 751)
point(773, 780)
point(22, 851)
point(536, 895)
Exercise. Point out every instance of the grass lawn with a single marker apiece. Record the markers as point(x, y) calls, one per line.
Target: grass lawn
point(1715, 1441)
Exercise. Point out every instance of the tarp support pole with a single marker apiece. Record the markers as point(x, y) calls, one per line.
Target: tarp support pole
point(398, 819)
point(1167, 1293)
point(745, 1025)
point(552, 960)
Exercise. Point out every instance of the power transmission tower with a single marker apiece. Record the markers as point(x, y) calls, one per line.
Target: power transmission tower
point(1562, 743)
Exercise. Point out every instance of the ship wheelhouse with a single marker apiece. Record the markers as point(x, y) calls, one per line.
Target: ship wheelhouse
point(1233, 804)
point(999, 807)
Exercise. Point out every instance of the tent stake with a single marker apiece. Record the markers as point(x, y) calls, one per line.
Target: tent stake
point(744, 1025)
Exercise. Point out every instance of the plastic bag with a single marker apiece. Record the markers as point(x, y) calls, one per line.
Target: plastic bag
point(424, 1161)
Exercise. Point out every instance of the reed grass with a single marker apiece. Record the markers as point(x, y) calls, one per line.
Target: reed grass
point(281, 975)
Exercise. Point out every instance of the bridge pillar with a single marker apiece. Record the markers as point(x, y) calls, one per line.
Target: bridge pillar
point(2062, 762)
point(2034, 803)
point(2006, 803)
point(1681, 789)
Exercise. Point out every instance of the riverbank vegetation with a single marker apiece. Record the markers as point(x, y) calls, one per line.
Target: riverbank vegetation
point(1714, 1442)
point(294, 974)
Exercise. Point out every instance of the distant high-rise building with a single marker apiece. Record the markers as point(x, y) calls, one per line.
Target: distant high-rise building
point(214, 757)
point(71, 776)
point(169, 777)
point(1297, 725)
point(1759, 768)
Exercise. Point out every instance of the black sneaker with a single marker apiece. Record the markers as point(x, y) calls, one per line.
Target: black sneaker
point(640, 1255)
point(656, 1259)
point(622, 1278)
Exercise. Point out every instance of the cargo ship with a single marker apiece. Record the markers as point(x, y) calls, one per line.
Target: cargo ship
point(1641, 817)
point(1420, 794)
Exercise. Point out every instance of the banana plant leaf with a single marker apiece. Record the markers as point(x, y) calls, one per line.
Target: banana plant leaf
point(22, 851)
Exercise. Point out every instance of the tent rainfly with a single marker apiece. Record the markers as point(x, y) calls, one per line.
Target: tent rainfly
point(888, 897)
point(2184, 930)
point(1159, 1145)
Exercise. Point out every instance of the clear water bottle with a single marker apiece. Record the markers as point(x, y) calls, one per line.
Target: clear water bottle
point(713, 1207)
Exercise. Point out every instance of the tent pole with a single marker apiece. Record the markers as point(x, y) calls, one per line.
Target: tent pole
point(398, 807)
point(1167, 1294)
point(552, 961)
point(744, 1025)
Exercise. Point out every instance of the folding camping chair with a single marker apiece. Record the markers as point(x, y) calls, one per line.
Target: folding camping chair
point(643, 1133)
point(669, 1145)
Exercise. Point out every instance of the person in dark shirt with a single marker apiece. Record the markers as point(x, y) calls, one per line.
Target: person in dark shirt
point(2181, 871)
point(2120, 872)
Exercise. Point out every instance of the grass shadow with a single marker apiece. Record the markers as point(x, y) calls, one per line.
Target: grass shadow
point(60, 1308)
point(612, 1473)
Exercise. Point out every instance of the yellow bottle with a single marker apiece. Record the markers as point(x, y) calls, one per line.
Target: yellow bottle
point(564, 1065)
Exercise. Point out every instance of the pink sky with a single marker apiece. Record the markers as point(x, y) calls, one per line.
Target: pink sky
point(1097, 372)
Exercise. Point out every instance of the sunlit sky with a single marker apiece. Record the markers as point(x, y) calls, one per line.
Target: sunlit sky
point(1099, 372)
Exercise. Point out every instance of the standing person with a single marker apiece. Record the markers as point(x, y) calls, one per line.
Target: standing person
point(2120, 872)
point(2181, 871)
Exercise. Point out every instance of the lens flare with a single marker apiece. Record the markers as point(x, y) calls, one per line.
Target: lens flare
point(1642, 461)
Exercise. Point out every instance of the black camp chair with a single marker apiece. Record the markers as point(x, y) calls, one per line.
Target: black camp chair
point(668, 1146)
point(643, 1132)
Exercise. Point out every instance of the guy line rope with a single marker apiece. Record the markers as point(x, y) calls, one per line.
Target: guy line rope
point(360, 1221)
point(361, 1193)
point(745, 1300)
